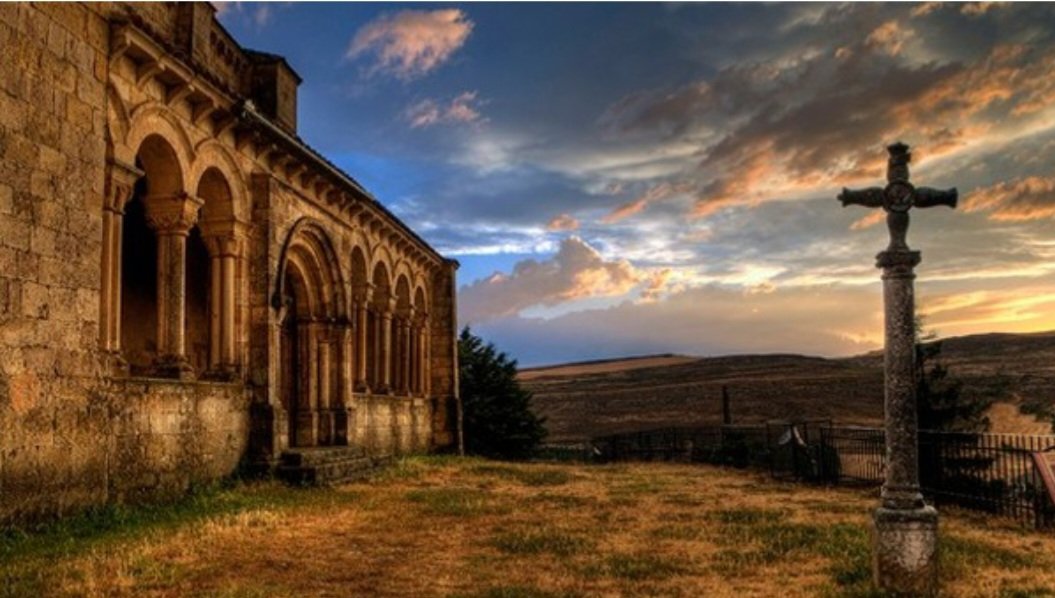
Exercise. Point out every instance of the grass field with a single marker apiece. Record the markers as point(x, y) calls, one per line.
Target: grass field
point(472, 528)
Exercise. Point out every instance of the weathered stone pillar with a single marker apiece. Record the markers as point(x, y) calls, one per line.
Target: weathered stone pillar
point(224, 241)
point(905, 559)
point(362, 326)
point(387, 307)
point(426, 356)
point(343, 403)
point(405, 353)
point(324, 371)
point(120, 185)
point(171, 217)
point(423, 356)
point(307, 395)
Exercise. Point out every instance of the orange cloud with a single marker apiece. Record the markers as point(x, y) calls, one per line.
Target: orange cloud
point(1031, 198)
point(925, 8)
point(873, 218)
point(653, 194)
point(411, 43)
point(889, 37)
point(656, 284)
point(563, 222)
point(428, 112)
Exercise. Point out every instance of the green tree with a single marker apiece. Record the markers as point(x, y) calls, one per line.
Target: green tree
point(497, 417)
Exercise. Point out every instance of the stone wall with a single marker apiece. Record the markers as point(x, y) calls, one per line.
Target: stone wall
point(52, 155)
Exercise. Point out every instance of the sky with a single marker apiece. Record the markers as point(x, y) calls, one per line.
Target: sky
point(626, 179)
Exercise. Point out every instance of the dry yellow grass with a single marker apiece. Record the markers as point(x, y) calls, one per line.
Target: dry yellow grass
point(453, 527)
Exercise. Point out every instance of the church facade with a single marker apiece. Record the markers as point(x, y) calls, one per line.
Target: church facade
point(187, 289)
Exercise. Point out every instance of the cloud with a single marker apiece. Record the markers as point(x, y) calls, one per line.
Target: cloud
point(925, 8)
point(786, 127)
point(975, 9)
point(1030, 198)
point(463, 108)
point(889, 37)
point(577, 271)
point(410, 43)
point(873, 218)
point(563, 222)
point(653, 194)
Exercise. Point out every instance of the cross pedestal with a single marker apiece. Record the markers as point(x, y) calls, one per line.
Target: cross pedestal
point(905, 551)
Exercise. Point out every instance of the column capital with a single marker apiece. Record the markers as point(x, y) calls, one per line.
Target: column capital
point(388, 306)
point(224, 238)
point(364, 292)
point(120, 183)
point(172, 214)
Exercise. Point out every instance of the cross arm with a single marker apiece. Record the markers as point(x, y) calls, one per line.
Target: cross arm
point(927, 197)
point(870, 198)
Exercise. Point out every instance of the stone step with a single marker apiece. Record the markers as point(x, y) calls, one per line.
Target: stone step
point(326, 465)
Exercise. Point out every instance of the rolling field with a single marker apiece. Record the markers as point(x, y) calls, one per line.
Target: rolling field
point(596, 398)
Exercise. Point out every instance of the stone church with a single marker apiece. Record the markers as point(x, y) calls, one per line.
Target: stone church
point(188, 290)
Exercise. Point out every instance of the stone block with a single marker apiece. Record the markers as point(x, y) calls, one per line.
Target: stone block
point(35, 300)
point(905, 552)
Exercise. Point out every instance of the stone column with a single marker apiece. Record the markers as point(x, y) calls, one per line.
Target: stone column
point(426, 355)
point(387, 307)
point(224, 241)
point(120, 185)
point(906, 528)
point(307, 395)
point(405, 353)
point(343, 406)
point(324, 372)
point(171, 217)
point(361, 328)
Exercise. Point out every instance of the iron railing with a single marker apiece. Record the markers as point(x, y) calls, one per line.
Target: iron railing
point(1001, 474)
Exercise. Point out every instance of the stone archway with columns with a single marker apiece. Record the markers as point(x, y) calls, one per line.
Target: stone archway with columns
point(181, 220)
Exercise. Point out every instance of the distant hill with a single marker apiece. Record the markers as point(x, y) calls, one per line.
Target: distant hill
point(588, 399)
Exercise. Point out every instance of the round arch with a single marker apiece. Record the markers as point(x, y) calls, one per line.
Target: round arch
point(211, 158)
point(310, 249)
point(149, 120)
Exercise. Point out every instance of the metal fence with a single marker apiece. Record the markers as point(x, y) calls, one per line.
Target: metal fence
point(1004, 474)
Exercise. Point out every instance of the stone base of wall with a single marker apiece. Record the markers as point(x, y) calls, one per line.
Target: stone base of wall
point(133, 440)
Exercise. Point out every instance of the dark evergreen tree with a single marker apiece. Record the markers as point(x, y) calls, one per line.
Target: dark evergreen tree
point(497, 416)
point(950, 463)
point(940, 402)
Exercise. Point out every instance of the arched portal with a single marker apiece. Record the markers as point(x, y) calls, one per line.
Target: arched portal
point(379, 357)
point(422, 336)
point(310, 301)
point(214, 259)
point(361, 289)
point(402, 342)
point(148, 306)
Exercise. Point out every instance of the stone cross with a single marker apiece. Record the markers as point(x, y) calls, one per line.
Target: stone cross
point(905, 551)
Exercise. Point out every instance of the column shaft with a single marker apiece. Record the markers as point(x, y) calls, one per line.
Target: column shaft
point(215, 310)
point(361, 349)
point(171, 217)
point(901, 488)
point(386, 351)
